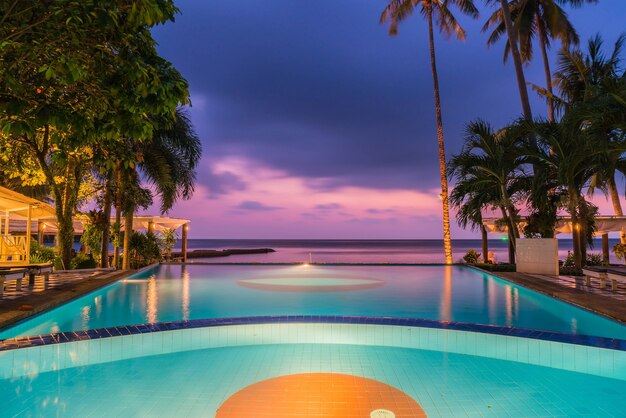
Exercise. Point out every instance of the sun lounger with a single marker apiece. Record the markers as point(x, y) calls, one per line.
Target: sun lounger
point(616, 274)
point(595, 272)
point(9, 274)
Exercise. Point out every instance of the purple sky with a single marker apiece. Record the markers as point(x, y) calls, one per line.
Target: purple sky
point(316, 124)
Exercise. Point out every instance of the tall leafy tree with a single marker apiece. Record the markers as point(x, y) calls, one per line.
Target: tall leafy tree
point(488, 172)
point(75, 77)
point(542, 19)
point(435, 11)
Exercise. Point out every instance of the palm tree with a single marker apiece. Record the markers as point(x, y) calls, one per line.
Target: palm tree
point(517, 60)
point(581, 76)
point(572, 154)
point(470, 198)
point(488, 172)
point(397, 11)
point(542, 18)
point(589, 85)
point(169, 161)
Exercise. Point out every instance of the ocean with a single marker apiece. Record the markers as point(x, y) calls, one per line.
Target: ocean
point(361, 251)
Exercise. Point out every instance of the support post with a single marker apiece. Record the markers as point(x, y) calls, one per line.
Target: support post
point(41, 229)
point(483, 231)
point(184, 245)
point(151, 227)
point(605, 248)
point(28, 233)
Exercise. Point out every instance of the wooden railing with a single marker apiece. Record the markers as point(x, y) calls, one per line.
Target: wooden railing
point(12, 248)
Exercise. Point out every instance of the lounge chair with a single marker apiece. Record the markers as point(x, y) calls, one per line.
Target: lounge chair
point(7, 274)
point(616, 274)
point(596, 272)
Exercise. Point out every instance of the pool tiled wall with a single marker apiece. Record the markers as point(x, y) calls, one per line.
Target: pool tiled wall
point(573, 357)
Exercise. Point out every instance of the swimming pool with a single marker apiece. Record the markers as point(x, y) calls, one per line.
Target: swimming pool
point(292, 341)
point(446, 293)
point(344, 370)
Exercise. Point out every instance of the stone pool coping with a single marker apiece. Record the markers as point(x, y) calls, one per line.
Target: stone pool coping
point(95, 334)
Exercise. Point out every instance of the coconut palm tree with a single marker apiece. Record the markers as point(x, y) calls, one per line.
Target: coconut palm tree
point(572, 154)
point(396, 12)
point(544, 19)
point(517, 60)
point(168, 163)
point(470, 198)
point(582, 76)
point(487, 172)
point(592, 90)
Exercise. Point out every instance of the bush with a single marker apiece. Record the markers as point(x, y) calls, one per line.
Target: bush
point(595, 260)
point(569, 260)
point(504, 267)
point(619, 250)
point(471, 257)
point(145, 249)
point(570, 271)
point(82, 261)
point(40, 254)
point(496, 267)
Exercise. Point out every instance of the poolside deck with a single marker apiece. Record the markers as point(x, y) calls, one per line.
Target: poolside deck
point(63, 286)
point(573, 290)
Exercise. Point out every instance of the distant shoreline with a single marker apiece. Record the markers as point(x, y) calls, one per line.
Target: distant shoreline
point(222, 253)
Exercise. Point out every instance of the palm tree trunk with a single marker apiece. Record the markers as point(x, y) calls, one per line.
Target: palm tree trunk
point(483, 233)
point(617, 205)
point(128, 231)
point(510, 234)
point(546, 63)
point(573, 209)
point(447, 239)
point(118, 217)
point(108, 200)
point(517, 60)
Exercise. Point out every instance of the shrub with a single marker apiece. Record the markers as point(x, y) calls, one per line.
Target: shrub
point(168, 240)
point(496, 267)
point(619, 250)
point(144, 249)
point(82, 261)
point(40, 253)
point(471, 257)
point(569, 260)
point(594, 259)
point(570, 271)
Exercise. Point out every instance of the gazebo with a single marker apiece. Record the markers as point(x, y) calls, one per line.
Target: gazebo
point(564, 225)
point(15, 248)
point(160, 223)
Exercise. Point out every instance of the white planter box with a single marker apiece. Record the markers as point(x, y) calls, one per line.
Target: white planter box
point(537, 256)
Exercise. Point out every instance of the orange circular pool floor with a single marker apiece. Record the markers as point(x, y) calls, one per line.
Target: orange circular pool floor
point(320, 395)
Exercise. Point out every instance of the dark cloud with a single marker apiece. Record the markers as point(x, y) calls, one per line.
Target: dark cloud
point(328, 206)
point(380, 211)
point(319, 90)
point(254, 206)
point(218, 184)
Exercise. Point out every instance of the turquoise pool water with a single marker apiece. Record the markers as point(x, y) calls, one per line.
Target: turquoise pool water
point(196, 383)
point(175, 292)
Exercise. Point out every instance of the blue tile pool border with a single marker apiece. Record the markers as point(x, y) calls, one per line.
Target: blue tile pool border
point(73, 336)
